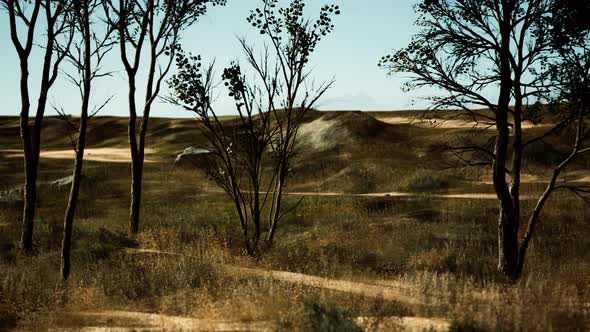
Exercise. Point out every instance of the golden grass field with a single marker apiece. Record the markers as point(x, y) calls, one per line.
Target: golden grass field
point(389, 237)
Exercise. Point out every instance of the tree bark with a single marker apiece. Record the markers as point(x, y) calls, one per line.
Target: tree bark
point(257, 213)
point(73, 198)
point(136, 178)
point(137, 174)
point(29, 207)
point(276, 211)
point(30, 163)
point(134, 207)
point(30, 187)
point(244, 225)
point(508, 252)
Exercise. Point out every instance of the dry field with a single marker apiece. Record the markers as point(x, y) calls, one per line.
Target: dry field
point(389, 237)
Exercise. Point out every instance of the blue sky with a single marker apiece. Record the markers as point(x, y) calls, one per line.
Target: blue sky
point(364, 32)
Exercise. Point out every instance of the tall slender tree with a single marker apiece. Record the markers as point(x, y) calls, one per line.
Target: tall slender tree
point(25, 15)
point(157, 24)
point(92, 43)
point(468, 48)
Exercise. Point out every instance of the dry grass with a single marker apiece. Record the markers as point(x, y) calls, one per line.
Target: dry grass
point(443, 249)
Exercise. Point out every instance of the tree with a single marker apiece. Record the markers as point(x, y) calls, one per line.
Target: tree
point(160, 24)
point(271, 107)
point(26, 14)
point(467, 48)
point(86, 57)
point(293, 38)
point(237, 151)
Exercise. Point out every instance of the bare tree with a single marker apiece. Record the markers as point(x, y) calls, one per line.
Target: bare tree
point(270, 112)
point(87, 55)
point(25, 14)
point(293, 39)
point(468, 48)
point(159, 23)
point(237, 150)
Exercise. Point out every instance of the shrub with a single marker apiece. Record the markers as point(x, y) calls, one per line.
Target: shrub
point(465, 324)
point(321, 317)
point(101, 244)
point(424, 181)
point(435, 259)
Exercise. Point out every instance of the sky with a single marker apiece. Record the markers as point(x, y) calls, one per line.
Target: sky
point(365, 31)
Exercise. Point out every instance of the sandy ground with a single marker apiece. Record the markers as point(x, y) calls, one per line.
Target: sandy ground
point(138, 321)
point(402, 194)
point(570, 177)
point(448, 124)
point(127, 321)
point(112, 320)
point(322, 135)
point(111, 155)
point(398, 292)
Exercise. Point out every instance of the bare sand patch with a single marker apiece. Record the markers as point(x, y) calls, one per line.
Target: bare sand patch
point(322, 134)
point(404, 294)
point(571, 177)
point(127, 321)
point(400, 194)
point(446, 123)
point(402, 324)
point(392, 291)
point(578, 176)
point(429, 123)
point(108, 155)
point(583, 179)
point(116, 320)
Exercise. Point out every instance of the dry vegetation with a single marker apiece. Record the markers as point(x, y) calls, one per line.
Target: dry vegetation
point(440, 251)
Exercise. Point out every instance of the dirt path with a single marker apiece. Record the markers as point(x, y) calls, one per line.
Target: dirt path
point(399, 294)
point(392, 292)
point(447, 123)
point(403, 194)
point(128, 321)
point(413, 324)
point(112, 320)
point(110, 155)
point(572, 177)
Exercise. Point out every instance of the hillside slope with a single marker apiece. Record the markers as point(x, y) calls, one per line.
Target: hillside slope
point(337, 151)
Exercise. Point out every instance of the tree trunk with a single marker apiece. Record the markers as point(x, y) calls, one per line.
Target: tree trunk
point(32, 163)
point(137, 174)
point(138, 156)
point(30, 176)
point(136, 178)
point(24, 51)
point(276, 212)
point(73, 199)
point(508, 221)
point(135, 201)
point(137, 160)
point(508, 253)
point(77, 176)
point(244, 225)
point(30, 196)
point(256, 217)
